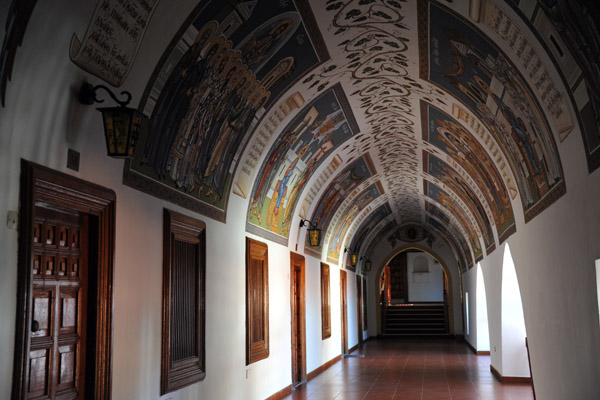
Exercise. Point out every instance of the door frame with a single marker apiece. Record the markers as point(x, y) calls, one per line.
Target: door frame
point(40, 184)
point(297, 261)
point(344, 310)
point(359, 309)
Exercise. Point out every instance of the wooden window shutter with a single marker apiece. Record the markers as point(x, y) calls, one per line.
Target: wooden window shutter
point(325, 302)
point(183, 353)
point(257, 301)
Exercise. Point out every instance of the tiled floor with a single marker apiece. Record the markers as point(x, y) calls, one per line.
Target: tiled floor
point(411, 369)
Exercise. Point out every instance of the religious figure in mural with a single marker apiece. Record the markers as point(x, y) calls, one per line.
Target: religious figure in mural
point(207, 95)
point(336, 192)
point(442, 198)
point(369, 224)
point(463, 61)
point(446, 134)
point(301, 147)
point(456, 183)
point(338, 233)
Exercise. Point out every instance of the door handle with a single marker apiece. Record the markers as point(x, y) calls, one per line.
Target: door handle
point(35, 326)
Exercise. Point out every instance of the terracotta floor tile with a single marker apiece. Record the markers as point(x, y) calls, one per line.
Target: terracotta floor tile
point(411, 369)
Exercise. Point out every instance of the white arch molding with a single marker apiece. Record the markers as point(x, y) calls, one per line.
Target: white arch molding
point(448, 277)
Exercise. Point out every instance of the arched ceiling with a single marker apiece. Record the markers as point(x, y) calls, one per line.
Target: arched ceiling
point(375, 119)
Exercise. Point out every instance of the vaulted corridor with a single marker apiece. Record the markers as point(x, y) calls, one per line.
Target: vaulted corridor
point(218, 199)
point(411, 369)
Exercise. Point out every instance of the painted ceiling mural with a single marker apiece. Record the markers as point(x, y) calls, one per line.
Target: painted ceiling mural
point(305, 142)
point(446, 177)
point(367, 225)
point(447, 209)
point(465, 153)
point(469, 66)
point(340, 188)
point(362, 205)
point(228, 63)
point(338, 110)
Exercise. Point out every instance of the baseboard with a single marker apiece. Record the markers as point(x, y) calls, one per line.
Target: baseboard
point(478, 352)
point(281, 394)
point(470, 346)
point(353, 348)
point(322, 368)
point(288, 389)
point(509, 379)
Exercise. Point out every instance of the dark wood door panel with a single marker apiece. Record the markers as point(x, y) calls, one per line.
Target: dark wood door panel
point(57, 337)
point(42, 312)
point(39, 373)
point(57, 211)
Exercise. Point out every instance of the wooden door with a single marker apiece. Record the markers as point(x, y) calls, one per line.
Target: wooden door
point(56, 359)
point(386, 294)
point(298, 319)
point(63, 341)
point(359, 306)
point(343, 301)
point(398, 279)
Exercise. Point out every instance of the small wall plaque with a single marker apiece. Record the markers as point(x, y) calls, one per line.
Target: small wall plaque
point(73, 160)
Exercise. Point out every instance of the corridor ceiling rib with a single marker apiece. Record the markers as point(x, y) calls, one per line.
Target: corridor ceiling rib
point(362, 116)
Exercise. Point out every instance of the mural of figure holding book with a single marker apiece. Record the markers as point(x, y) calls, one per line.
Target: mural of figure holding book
point(304, 143)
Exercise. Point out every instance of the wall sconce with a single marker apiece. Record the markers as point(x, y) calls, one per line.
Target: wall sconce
point(314, 233)
point(353, 257)
point(121, 124)
point(368, 265)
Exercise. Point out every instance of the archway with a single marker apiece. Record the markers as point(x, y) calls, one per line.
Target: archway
point(447, 282)
point(514, 351)
point(483, 332)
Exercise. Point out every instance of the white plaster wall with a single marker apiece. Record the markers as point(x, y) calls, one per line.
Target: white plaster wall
point(469, 286)
point(554, 256)
point(352, 314)
point(482, 326)
point(491, 267)
point(319, 350)
point(478, 318)
point(514, 349)
point(433, 290)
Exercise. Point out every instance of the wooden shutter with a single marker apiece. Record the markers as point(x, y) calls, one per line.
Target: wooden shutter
point(325, 302)
point(183, 360)
point(257, 301)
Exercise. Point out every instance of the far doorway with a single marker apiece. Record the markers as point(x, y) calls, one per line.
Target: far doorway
point(413, 295)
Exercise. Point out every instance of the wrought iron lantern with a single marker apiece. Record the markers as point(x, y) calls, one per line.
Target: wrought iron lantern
point(121, 124)
point(314, 233)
